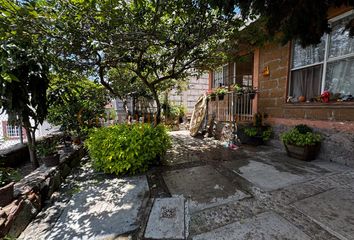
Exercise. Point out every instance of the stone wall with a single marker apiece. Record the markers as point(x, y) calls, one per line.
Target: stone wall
point(31, 192)
point(337, 145)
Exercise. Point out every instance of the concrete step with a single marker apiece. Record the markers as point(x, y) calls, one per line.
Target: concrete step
point(167, 219)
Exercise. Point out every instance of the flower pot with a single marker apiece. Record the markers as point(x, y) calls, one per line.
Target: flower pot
point(252, 95)
point(51, 161)
point(306, 153)
point(7, 194)
point(212, 98)
point(221, 97)
point(245, 139)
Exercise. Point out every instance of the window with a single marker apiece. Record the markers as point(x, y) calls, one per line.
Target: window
point(10, 131)
point(326, 66)
point(220, 76)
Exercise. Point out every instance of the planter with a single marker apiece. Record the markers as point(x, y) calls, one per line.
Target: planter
point(221, 97)
point(306, 153)
point(51, 161)
point(7, 194)
point(212, 98)
point(252, 95)
point(245, 139)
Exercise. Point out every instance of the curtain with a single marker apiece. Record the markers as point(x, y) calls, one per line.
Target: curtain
point(340, 77)
point(306, 82)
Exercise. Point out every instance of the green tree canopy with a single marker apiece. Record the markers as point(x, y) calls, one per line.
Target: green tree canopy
point(156, 41)
point(305, 21)
point(24, 67)
point(75, 103)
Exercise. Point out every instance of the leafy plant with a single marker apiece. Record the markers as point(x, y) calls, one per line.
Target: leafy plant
point(238, 89)
point(75, 103)
point(127, 149)
point(47, 147)
point(266, 135)
point(220, 91)
point(8, 175)
point(297, 138)
point(264, 132)
point(251, 131)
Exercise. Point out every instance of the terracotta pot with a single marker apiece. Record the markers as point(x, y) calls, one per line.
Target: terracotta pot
point(51, 161)
point(7, 194)
point(302, 99)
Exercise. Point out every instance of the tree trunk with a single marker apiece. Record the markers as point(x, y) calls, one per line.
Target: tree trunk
point(31, 143)
point(125, 107)
point(158, 108)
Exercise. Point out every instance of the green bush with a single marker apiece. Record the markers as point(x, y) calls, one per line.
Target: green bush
point(127, 149)
point(295, 137)
point(264, 132)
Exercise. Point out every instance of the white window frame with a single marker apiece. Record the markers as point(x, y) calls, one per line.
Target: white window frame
point(326, 60)
point(222, 75)
point(13, 131)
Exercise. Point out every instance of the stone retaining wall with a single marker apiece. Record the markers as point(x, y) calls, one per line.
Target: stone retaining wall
point(31, 192)
point(337, 146)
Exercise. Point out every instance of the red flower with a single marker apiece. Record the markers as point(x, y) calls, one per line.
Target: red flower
point(325, 96)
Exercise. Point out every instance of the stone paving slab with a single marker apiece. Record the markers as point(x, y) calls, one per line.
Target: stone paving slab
point(107, 210)
point(203, 186)
point(333, 210)
point(101, 207)
point(167, 219)
point(262, 175)
point(265, 226)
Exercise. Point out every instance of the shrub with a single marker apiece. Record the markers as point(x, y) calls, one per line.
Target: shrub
point(303, 138)
point(264, 132)
point(127, 149)
point(8, 175)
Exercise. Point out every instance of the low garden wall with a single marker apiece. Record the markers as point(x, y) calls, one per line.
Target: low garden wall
point(337, 146)
point(31, 192)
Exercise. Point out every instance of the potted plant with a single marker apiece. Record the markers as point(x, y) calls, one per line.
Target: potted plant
point(251, 92)
point(211, 95)
point(220, 92)
point(301, 142)
point(256, 133)
point(238, 89)
point(8, 176)
point(47, 151)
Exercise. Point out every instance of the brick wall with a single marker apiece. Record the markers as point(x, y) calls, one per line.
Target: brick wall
point(273, 91)
point(197, 86)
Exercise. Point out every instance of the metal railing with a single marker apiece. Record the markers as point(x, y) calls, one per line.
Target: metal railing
point(232, 107)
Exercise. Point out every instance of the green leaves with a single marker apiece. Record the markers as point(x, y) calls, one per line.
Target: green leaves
point(295, 137)
point(127, 149)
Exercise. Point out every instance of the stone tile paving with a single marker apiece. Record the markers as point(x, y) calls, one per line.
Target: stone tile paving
point(279, 192)
point(94, 206)
point(167, 219)
point(244, 193)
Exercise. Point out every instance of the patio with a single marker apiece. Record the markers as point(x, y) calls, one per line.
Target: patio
point(207, 191)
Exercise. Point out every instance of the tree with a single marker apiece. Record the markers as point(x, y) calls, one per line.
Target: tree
point(125, 84)
point(156, 41)
point(24, 68)
point(303, 20)
point(75, 103)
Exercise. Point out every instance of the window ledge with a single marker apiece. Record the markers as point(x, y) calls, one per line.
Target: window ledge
point(349, 105)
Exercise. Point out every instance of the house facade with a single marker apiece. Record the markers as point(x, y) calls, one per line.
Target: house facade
point(290, 81)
